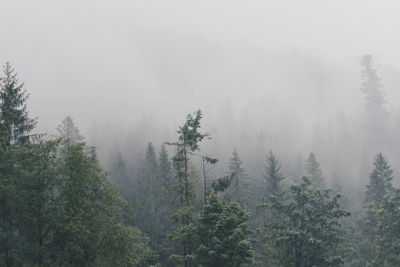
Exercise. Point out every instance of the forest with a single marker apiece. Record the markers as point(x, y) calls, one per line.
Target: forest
point(61, 205)
point(229, 133)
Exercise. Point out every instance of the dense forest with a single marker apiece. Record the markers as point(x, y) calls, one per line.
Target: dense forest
point(60, 205)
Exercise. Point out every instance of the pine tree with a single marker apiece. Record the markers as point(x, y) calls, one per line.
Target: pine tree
point(165, 167)
point(221, 235)
point(168, 204)
point(15, 124)
point(15, 129)
point(69, 131)
point(119, 175)
point(372, 88)
point(88, 229)
point(387, 237)
point(189, 140)
point(273, 176)
point(379, 181)
point(239, 185)
point(309, 233)
point(148, 190)
point(314, 172)
point(378, 188)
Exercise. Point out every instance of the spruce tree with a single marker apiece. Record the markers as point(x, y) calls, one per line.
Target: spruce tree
point(221, 235)
point(119, 175)
point(168, 204)
point(148, 190)
point(239, 185)
point(69, 131)
point(15, 123)
point(378, 188)
point(379, 181)
point(372, 88)
point(273, 176)
point(15, 129)
point(189, 139)
point(387, 236)
point(314, 172)
point(309, 233)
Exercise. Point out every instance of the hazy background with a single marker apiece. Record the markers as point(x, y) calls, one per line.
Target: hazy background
point(280, 75)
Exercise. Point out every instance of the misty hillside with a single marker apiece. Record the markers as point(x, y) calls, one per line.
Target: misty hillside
point(199, 133)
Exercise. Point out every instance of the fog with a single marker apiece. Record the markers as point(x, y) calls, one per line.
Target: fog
point(268, 75)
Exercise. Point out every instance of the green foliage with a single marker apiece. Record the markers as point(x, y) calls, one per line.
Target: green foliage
point(222, 184)
point(189, 140)
point(309, 233)
point(15, 124)
point(221, 235)
point(189, 135)
point(379, 181)
point(378, 188)
point(387, 238)
point(155, 202)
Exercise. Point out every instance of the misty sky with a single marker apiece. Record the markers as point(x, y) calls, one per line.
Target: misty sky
point(117, 60)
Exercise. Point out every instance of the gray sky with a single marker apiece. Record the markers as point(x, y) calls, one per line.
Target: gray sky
point(114, 60)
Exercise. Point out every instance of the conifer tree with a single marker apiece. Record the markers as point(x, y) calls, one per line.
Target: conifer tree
point(148, 190)
point(309, 233)
point(15, 123)
point(314, 172)
point(239, 185)
point(69, 131)
point(165, 167)
point(372, 88)
point(189, 140)
point(221, 235)
point(378, 189)
point(168, 204)
point(379, 181)
point(273, 176)
point(387, 236)
point(119, 175)
point(15, 129)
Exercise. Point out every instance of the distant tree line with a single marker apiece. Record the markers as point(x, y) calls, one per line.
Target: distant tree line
point(58, 207)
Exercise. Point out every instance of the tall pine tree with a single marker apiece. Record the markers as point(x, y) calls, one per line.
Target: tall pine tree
point(379, 181)
point(189, 139)
point(15, 129)
point(15, 123)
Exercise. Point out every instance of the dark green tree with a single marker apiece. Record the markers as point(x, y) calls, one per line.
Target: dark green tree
point(378, 188)
point(88, 220)
point(15, 123)
point(221, 235)
point(148, 194)
point(15, 129)
point(379, 181)
point(168, 205)
point(309, 233)
point(387, 238)
point(189, 139)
